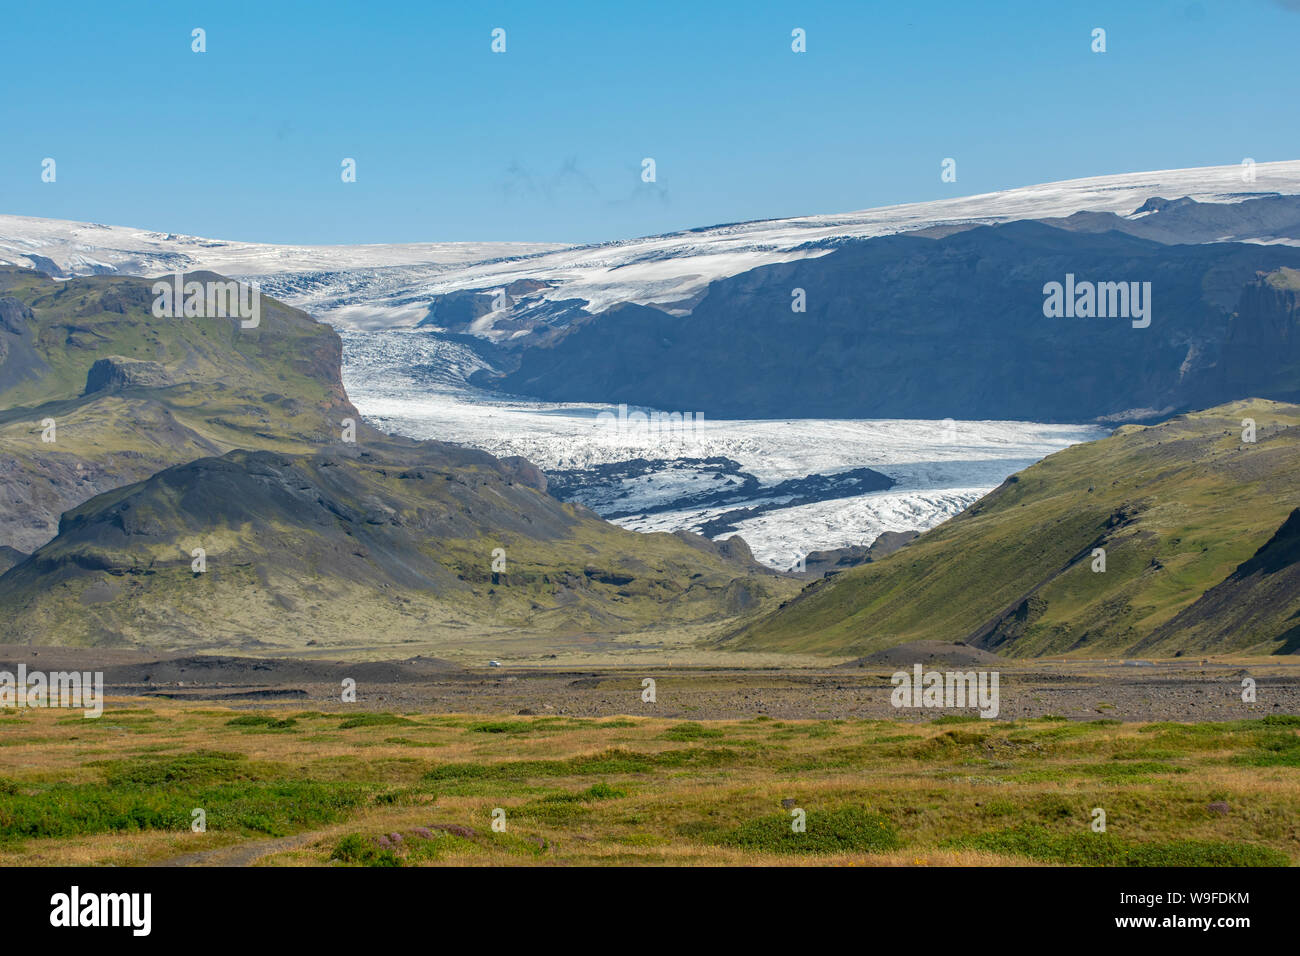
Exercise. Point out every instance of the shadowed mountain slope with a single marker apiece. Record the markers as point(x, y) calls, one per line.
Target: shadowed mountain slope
point(954, 327)
point(395, 541)
point(1260, 600)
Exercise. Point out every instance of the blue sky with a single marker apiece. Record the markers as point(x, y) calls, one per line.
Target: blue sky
point(545, 141)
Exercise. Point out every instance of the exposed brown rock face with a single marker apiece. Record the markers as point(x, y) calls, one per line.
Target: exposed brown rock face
point(118, 372)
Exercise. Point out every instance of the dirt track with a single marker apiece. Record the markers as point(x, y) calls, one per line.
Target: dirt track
point(241, 854)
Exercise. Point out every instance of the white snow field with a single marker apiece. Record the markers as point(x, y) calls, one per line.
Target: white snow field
point(374, 286)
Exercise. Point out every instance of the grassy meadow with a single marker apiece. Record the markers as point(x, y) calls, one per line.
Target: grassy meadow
point(289, 787)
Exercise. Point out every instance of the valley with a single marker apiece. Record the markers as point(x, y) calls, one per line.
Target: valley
point(855, 437)
point(797, 474)
point(459, 501)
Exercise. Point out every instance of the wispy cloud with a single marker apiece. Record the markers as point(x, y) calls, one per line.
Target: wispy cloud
point(642, 191)
point(520, 181)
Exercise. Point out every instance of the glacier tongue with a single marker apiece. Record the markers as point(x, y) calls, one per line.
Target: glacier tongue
point(413, 383)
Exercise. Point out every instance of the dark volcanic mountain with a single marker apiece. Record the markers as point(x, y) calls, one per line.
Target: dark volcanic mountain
point(391, 542)
point(912, 327)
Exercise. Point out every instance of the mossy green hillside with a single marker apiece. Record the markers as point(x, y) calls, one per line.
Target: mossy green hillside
point(214, 387)
point(396, 541)
point(1177, 508)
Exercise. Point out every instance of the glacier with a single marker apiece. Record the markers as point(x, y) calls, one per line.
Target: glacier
point(413, 382)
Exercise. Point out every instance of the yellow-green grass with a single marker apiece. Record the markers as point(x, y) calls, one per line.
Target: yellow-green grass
point(288, 787)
